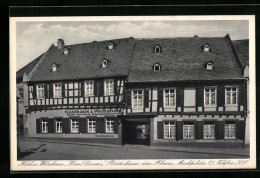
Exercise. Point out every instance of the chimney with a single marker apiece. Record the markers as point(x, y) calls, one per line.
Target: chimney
point(60, 43)
point(196, 36)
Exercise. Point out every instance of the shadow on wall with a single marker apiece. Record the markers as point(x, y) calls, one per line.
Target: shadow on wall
point(25, 153)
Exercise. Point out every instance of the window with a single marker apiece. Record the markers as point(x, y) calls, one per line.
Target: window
point(44, 126)
point(20, 94)
point(54, 68)
point(89, 88)
point(91, 125)
point(66, 51)
point(188, 131)
point(231, 96)
point(104, 63)
point(57, 93)
point(169, 130)
point(169, 98)
point(206, 47)
point(210, 66)
point(74, 125)
point(137, 99)
point(110, 45)
point(157, 49)
point(157, 67)
point(108, 87)
point(40, 91)
point(109, 125)
point(58, 126)
point(230, 130)
point(208, 131)
point(210, 95)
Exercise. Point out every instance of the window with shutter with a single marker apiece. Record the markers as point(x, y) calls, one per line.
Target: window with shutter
point(169, 98)
point(137, 99)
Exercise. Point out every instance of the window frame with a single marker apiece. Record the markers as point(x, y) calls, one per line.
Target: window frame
point(71, 122)
point(93, 120)
point(44, 122)
point(87, 94)
point(235, 134)
point(111, 125)
point(56, 126)
point(109, 94)
point(132, 99)
point(204, 94)
point(59, 83)
point(37, 91)
point(174, 94)
point(189, 132)
point(169, 130)
point(231, 97)
point(209, 124)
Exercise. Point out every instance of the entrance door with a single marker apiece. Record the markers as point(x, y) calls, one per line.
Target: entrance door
point(137, 133)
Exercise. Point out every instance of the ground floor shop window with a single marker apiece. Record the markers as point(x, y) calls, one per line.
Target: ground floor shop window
point(208, 130)
point(44, 126)
point(188, 131)
point(230, 130)
point(109, 125)
point(91, 125)
point(58, 126)
point(169, 130)
point(74, 125)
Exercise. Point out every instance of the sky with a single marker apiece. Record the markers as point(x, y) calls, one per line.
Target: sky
point(34, 38)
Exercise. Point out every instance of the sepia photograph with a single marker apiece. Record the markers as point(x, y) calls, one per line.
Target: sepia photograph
point(132, 93)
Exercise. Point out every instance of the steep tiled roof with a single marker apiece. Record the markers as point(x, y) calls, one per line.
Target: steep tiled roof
point(183, 59)
point(84, 61)
point(242, 50)
point(26, 69)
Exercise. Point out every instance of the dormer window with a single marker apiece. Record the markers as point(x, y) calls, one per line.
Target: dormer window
point(110, 46)
point(66, 51)
point(104, 63)
point(157, 67)
point(157, 49)
point(206, 48)
point(54, 67)
point(210, 66)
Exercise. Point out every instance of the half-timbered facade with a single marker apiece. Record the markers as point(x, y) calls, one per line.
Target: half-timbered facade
point(149, 91)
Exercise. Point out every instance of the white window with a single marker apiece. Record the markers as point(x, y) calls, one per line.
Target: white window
point(157, 67)
point(54, 68)
point(57, 91)
point(206, 48)
point(20, 94)
point(74, 125)
point(91, 125)
point(104, 63)
point(230, 130)
point(89, 88)
point(137, 99)
point(157, 49)
point(109, 125)
point(66, 51)
point(108, 87)
point(208, 131)
point(44, 126)
point(210, 66)
point(231, 95)
point(58, 126)
point(110, 45)
point(188, 131)
point(169, 98)
point(40, 91)
point(210, 95)
point(169, 130)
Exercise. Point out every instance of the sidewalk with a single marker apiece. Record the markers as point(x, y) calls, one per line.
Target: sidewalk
point(219, 151)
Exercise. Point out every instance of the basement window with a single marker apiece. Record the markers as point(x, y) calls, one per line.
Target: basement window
point(157, 67)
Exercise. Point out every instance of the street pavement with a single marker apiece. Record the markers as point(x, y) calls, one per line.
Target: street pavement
point(48, 150)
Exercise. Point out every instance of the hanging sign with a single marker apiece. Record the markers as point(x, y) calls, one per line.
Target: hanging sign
point(94, 112)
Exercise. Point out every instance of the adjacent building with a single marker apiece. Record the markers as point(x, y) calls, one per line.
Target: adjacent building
point(169, 91)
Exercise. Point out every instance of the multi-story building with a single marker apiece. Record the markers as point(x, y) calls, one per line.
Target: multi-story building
point(147, 91)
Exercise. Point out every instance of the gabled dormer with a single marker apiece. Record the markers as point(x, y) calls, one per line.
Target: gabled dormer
point(54, 67)
point(157, 49)
point(206, 47)
point(209, 65)
point(157, 67)
point(104, 63)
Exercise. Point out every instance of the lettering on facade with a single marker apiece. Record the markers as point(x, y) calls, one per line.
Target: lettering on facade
point(94, 112)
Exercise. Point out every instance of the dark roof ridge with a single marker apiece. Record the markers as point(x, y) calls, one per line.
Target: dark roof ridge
point(173, 38)
point(30, 63)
